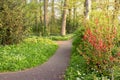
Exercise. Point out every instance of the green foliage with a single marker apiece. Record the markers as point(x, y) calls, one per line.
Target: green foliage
point(98, 44)
point(66, 37)
point(117, 72)
point(77, 69)
point(100, 39)
point(29, 53)
point(11, 21)
point(73, 24)
point(77, 38)
point(55, 27)
point(33, 15)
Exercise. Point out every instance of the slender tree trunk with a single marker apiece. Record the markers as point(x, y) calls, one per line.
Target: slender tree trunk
point(63, 27)
point(70, 13)
point(74, 16)
point(61, 8)
point(52, 17)
point(46, 17)
point(87, 6)
point(40, 12)
point(53, 12)
point(36, 23)
point(69, 20)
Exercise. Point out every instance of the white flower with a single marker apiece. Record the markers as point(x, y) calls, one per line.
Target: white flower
point(78, 72)
point(78, 78)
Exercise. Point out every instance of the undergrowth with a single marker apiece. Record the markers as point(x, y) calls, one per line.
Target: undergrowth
point(29, 53)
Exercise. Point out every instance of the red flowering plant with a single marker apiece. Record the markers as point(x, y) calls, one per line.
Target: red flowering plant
point(100, 40)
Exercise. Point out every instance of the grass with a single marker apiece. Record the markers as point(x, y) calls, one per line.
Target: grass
point(30, 53)
point(62, 38)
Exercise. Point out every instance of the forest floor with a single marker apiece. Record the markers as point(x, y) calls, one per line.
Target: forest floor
point(53, 69)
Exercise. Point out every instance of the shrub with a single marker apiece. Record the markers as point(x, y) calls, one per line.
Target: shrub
point(77, 39)
point(11, 21)
point(87, 44)
point(99, 45)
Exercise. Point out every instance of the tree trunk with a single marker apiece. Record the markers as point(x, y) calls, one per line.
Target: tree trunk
point(45, 17)
point(40, 12)
point(87, 6)
point(36, 23)
point(70, 14)
point(63, 27)
point(53, 12)
point(69, 20)
point(74, 16)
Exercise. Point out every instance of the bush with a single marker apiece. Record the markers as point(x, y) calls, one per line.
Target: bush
point(98, 44)
point(11, 21)
point(77, 38)
point(79, 67)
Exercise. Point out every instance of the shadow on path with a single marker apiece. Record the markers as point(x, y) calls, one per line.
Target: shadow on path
point(54, 69)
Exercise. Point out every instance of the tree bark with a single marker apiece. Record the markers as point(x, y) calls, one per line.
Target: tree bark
point(87, 6)
point(45, 17)
point(53, 12)
point(74, 16)
point(69, 20)
point(70, 14)
point(40, 12)
point(63, 27)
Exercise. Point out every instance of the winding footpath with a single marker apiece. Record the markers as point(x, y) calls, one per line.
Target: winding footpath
point(53, 69)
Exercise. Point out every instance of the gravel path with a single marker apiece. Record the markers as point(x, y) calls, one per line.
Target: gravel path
point(54, 69)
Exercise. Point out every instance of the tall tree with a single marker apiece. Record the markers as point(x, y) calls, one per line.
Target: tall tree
point(63, 27)
point(74, 16)
point(69, 20)
point(40, 2)
point(46, 17)
point(53, 12)
point(69, 17)
point(87, 6)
